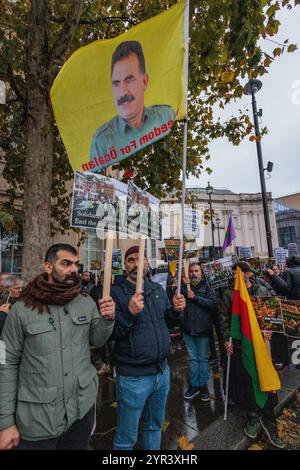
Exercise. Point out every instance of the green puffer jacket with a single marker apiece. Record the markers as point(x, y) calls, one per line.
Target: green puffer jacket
point(47, 381)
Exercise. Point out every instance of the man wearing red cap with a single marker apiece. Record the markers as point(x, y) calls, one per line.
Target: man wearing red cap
point(141, 350)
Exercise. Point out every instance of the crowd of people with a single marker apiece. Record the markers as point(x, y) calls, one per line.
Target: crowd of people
point(48, 385)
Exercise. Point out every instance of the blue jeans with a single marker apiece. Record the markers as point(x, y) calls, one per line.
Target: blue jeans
point(198, 349)
point(143, 396)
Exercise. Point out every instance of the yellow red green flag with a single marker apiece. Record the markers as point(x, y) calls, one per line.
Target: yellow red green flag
point(255, 355)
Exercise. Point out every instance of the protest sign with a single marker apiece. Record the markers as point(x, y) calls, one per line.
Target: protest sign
point(266, 263)
point(98, 199)
point(193, 224)
point(117, 269)
point(99, 123)
point(143, 213)
point(280, 255)
point(244, 252)
point(218, 273)
point(172, 249)
point(291, 317)
point(268, 313)
point(292, 249)
point(104, 203)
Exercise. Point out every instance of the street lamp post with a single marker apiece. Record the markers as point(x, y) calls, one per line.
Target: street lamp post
point(218, 227)
point(251, 88)
point(209, 190)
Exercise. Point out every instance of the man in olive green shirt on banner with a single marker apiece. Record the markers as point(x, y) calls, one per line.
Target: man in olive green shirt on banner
point(48, 385)
point(135, 126)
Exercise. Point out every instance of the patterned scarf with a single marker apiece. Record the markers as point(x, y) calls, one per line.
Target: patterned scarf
point(40, 293)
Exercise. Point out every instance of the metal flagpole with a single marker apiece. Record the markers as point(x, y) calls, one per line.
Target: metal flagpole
point(227, 381)
point(185, 137)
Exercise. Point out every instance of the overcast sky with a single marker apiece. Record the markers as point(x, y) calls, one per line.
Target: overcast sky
point(236, 168)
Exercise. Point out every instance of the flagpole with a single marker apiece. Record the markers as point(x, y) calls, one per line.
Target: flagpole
point(227, 381)
point(185, 137)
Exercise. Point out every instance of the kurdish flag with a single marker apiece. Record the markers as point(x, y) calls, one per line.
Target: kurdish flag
point(255, 355)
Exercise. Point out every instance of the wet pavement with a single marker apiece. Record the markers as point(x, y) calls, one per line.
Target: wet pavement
point(183, 418)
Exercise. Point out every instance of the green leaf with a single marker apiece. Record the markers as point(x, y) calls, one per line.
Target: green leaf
point(292, 48)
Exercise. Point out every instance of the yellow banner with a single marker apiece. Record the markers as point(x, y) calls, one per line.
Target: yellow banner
point(114, 97)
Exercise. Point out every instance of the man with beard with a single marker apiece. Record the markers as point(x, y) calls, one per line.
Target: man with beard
point(48, 385)
point(141, 350)
point(134, 122)
point(197, 323)
point(86, 283)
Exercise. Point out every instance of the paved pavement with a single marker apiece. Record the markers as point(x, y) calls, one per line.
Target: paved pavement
point(202, 423)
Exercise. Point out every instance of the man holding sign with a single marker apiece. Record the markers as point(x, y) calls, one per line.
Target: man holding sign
point(48, 385)
point(141, 350)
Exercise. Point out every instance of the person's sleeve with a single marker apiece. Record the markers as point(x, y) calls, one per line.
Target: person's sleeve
point(209, 302)
point(170, 312)
point(3, 317)
point(100, 330)
point(95, 293)
point(281, 284)
point(11, 347)
point(124, 321)
point(225, 315)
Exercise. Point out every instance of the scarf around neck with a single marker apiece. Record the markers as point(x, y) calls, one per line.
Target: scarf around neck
point(40, 293)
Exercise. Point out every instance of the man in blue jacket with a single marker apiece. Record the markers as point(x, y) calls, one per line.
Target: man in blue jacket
point(141, 350)
point(197, 322)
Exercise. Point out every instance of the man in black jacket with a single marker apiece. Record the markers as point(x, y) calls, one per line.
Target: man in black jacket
point(142, 343)
point(197, 321)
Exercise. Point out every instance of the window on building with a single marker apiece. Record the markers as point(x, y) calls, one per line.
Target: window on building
point(153, 249)
point(11, 247)
point(287, 235)
point(93, 252)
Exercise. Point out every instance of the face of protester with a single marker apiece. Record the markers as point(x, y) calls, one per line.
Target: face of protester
point(16, 290)
point(85, 277)
point(3, 277)
point(276, 270)
point(64, 270)
point(195, 274)
point(129, 85)
point(131, 265)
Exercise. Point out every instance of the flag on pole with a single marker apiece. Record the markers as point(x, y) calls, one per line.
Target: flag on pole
point(255, 355)
point(229, 235)
point(115, 96)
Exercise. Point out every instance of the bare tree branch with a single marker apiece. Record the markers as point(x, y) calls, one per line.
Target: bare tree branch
point(9, 76)
point(108, 19)
point(65, 37)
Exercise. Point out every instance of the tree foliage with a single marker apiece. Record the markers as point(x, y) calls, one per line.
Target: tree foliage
point(227, 41)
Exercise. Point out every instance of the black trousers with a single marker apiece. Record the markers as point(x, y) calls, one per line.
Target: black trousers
point(75, 438)
point(241, 388)
point(216, 323)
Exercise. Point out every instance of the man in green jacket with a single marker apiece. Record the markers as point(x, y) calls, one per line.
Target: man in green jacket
point(48, 385)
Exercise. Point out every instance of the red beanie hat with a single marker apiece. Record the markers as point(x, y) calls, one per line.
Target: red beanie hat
point(134, 249)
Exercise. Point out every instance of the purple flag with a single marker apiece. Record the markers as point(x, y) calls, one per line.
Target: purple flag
point(229, 235)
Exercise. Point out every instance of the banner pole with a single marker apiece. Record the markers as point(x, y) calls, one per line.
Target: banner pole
point(227, 382)
point(186, 272)
point(185, 138)
point(108, 264)
point(140, 270)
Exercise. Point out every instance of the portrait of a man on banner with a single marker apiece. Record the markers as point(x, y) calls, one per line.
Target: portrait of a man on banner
point(114, 97)
point(134, 125)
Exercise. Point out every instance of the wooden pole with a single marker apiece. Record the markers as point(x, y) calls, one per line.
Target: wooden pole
point(140, 271)
point(108, 264)
point(186, 272)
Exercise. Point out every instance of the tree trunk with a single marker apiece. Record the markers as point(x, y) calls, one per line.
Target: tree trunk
point(39, 154)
